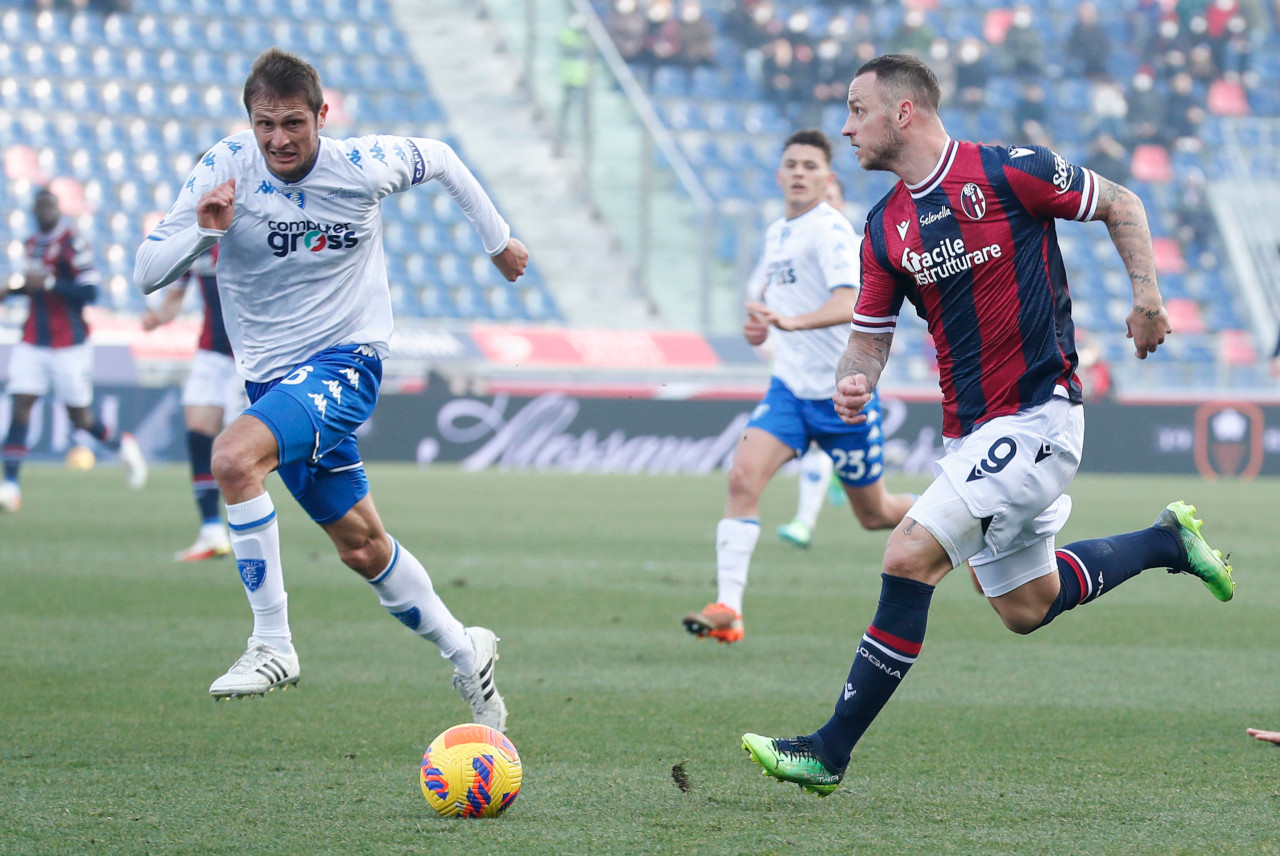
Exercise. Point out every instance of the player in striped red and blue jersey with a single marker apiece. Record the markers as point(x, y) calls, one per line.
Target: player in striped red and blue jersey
point(212, 395)
point(54, 354)
point(967, 237)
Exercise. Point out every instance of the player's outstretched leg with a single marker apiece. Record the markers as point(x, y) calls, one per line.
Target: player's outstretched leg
point(792, 759)
point(721, 620)
point(133, 461)
point(797, 533)
point(405, 590)
point(1198, 558)
point(213, 541)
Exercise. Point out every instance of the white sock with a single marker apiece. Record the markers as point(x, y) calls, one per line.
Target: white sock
point(815, 473)
point(735, 542)
point(255, 540)
point(405, 590)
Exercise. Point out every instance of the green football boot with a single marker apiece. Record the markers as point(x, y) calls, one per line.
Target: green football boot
point(792, 760)
point(796, 533)
point(1202, 560)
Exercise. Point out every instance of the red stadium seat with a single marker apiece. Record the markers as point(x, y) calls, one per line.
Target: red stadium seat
point(22, 164)
point(1151, 163)
point(1184, 315)
point(1236, 348)
point(1227, 98)
point(1168, 253)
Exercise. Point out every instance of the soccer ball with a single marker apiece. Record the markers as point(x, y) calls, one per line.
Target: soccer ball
point(471, 770)
point(80, 458)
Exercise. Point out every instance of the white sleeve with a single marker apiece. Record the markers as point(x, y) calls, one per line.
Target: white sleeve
point(757, 281)
point(177, 239)
point(423, 159)
point(838, 254)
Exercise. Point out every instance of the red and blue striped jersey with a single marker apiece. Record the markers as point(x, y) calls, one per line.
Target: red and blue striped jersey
point(974, 249)
point(213, 333)
point(56, 317)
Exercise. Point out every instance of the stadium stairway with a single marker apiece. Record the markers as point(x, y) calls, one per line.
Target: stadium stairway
point(478, 85)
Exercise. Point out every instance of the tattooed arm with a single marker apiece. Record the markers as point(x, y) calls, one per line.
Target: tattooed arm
point(1126, 219)
point(858, 372)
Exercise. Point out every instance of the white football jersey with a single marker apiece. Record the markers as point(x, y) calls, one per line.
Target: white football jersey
point(803, 261)
point(302, 268)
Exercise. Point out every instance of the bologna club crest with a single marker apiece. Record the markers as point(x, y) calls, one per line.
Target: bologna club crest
point(972, 201)
point(1228, 440)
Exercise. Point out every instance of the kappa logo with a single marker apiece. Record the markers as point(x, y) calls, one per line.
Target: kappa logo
point(973, 202)
point(902, 229)
point(849, 691)
point(318, 399)
point(353, 377)
point(366, 351)
point(335, 390)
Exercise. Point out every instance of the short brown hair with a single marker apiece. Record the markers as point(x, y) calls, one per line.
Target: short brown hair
point(810, 137)
point(903, 74)
point(279, 74)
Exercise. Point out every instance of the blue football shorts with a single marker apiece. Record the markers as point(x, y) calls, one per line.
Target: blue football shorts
point(313, 412)
point(856, 450)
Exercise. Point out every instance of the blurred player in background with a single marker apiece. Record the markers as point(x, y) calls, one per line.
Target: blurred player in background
point(301, 273)
point(967, 236)
point(817, 470)
point(805, 286)
point(212, 394)
point(54, 354)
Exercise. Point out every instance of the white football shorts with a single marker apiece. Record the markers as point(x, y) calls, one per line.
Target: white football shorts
point(213, 382)
point(999, 498)
point(39, 370)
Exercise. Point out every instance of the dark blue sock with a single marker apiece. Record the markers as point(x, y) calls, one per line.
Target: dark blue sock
point(1089, 569)
point(14, 450)
point(100, 433)
point(886, 651)
point(200, 451)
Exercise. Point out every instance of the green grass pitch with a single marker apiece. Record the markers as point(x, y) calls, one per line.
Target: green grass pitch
point(1117, 730)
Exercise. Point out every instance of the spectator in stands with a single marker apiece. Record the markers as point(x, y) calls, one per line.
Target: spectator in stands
point(914, 35)
point(832, 66)
point(1201, 65)
point(1184, 112)
point(778, 71)
point(54, 355)
point(629, 30)
point(1089, 45)
point(697, 41)
point(1093, 369)
point(972, 73)
point(1145, 119)
point(1023, 49)
point(574, 69)
point(1108, 158)
point(1030, 113)
point(664, 32)
point(1108, 107)
point(1195, 222)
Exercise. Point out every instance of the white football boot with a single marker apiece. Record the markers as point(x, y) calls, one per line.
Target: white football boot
point(133, 461)
point(212, 543)
point(260, 669)
point(10, 497)
point(478, 689)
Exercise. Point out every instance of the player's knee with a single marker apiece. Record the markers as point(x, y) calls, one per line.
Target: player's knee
point(743, 482)
point(231, 466)
point(875, 517)
point(1021, 623)
point(366, 556)
point(901, 563)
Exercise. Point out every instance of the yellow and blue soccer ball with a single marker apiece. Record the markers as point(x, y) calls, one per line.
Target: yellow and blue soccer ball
point(80, 458)
point(471, 770)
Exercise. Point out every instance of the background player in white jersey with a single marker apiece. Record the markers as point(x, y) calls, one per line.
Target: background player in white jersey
point(805, 286)
point(308, 310)
point(212, 395)
point(817, 470)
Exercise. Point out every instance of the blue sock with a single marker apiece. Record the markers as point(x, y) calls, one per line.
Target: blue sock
point(886, 651)
point(100, 433)
point(14, 449)
point(208, 498)
point(1089, 569)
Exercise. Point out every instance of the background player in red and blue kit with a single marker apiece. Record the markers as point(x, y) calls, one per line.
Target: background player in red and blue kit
point(54, 354)
point(967, 237)
point(212, 395)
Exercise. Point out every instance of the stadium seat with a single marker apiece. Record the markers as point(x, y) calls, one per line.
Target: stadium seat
point(1227, 98)
point(1151, 162)
point(1236, 348)
point(1184, 315)
point(1168, 255)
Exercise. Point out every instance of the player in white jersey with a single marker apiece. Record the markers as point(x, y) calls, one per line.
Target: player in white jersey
point(817, 471)
point(308, 311)
point(805, 286)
